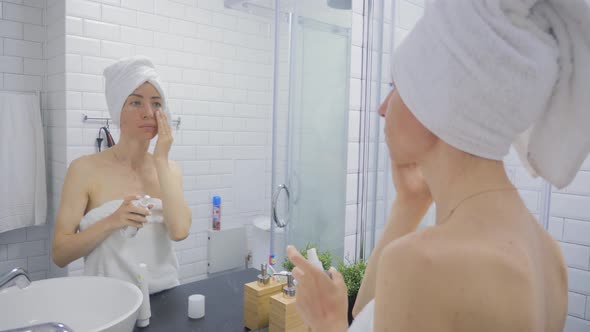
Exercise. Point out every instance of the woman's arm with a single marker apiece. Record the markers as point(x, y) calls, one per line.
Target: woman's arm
point(68, 245)
point(177, 215)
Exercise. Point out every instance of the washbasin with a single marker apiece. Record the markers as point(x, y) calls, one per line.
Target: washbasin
point(85, 304)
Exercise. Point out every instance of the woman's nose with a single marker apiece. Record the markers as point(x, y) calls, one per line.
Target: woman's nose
point(147, 111)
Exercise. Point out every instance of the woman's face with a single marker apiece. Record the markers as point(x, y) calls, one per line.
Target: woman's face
point(138, 117)
point(408, 140)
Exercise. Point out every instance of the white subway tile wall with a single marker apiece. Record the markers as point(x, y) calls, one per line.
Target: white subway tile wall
point(30, 34)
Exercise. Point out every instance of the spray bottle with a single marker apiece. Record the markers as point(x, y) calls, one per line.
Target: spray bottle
point(216, 213)
point(130, 231)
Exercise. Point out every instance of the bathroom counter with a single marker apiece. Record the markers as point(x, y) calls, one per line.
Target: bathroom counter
point(224, 305)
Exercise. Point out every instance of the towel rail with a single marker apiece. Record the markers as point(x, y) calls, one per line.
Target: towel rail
point(175, 122)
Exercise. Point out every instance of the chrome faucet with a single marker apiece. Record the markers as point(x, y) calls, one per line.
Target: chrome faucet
point(19, 275)
point(47, 327)
point(22, 280)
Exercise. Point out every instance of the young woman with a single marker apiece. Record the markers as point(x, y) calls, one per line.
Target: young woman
point(100, 190)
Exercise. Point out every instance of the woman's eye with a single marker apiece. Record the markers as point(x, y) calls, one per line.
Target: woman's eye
point(158, 105)
point(136, 103)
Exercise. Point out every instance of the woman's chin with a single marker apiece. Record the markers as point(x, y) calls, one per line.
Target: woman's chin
point(146, 135)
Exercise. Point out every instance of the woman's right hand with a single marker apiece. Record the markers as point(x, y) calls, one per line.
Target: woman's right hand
point(128, 215)
point(410, 186)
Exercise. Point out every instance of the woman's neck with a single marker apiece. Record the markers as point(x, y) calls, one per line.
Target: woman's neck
point(454, 177)
point(131, 152)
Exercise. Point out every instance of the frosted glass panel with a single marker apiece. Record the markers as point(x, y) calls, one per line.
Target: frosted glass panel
point(310, 126)
point(318, 135)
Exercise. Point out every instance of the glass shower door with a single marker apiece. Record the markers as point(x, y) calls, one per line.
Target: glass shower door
point(319, 136)
point(310, 147)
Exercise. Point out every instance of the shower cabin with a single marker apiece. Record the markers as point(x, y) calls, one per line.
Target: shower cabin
point(308, 164)
point(325, 125)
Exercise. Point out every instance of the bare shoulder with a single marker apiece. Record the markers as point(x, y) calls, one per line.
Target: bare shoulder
point(85, 168)
point(469, 258)
point(418, 254)
point(412, 283)
point(80, 167)
point(459, 284)
point(90, 161)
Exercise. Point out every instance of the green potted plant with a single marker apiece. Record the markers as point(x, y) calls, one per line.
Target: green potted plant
point(353, 276)
point(325, 257)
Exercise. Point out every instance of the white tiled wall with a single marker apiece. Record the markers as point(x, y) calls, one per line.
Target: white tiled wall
point(216, 65)
point(570, 222)
point(27, 37)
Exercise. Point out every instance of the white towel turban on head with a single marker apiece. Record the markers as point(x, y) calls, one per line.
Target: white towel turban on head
point(126, 75)
point(483, 74)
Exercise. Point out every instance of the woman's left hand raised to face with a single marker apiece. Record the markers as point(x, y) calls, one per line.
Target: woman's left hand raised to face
point(321, 302)
point(165, 138)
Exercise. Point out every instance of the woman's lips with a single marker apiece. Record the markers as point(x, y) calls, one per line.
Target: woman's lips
point(148, 127)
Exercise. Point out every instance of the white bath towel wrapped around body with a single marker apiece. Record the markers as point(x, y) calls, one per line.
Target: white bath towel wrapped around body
point(119, 257)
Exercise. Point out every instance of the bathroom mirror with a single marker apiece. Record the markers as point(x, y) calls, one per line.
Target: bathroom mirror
point(242, 124)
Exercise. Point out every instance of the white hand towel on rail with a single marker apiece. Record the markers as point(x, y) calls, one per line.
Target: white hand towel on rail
point(23, 188)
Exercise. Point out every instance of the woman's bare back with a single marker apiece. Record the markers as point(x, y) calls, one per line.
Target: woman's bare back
point(480, 274)
point(516, 279)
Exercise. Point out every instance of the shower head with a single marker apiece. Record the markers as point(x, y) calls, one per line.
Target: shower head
point(340, 4)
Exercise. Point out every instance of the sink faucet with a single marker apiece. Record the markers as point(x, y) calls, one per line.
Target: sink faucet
point(46, 327)
point(19, 275)
point(22, 280)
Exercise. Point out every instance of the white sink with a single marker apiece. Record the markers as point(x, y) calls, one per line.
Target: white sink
point(85, 304)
